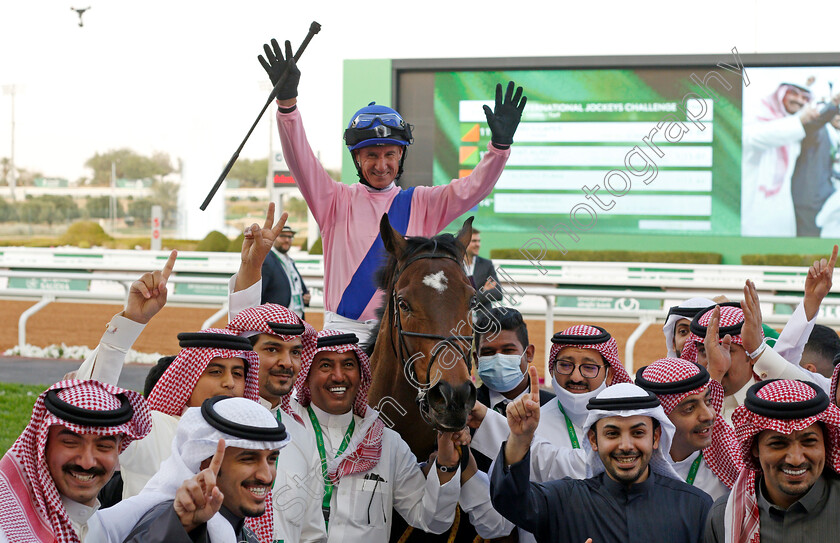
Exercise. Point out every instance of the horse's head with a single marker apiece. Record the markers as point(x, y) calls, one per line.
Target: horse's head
point(427, 310)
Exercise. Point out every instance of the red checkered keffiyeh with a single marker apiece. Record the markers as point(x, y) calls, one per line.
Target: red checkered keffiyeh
point(742, 513)
point(255, 320)
point(835, 377)
point(173, 390)
point(608, 349)
point(730, 315)
point(723, 456)
point(365, 456)
point(31, 504)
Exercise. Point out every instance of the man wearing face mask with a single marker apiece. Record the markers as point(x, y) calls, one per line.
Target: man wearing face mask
point(583, 361)
point(504, 354)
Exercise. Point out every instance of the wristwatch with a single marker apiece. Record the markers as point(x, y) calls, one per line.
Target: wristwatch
point(448, 469)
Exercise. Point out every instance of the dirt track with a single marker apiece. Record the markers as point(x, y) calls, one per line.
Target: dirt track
point(83, 324)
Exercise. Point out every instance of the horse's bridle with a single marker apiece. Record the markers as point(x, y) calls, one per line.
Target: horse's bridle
point(452, 340)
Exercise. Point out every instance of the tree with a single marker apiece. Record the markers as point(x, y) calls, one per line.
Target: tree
point(296, 207)
point(99, 207)
point(129, 165)
point(165, 194)
point(7, 211)
point(141, 210)
point(250, 173)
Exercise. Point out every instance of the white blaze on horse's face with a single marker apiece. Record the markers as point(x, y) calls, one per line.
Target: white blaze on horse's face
point(437, 281)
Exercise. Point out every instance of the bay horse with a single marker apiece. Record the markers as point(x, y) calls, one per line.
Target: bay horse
point(422, 358)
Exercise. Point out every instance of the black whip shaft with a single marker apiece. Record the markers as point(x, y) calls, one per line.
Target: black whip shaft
point(314, 28)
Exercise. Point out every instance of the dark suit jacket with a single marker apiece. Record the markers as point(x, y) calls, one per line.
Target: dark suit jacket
point(483, 396)
point(483, 270)
point(810, 184)
point(276, 288)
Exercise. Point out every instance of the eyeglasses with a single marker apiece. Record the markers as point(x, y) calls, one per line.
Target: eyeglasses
point(365, 120)
point(588, 371)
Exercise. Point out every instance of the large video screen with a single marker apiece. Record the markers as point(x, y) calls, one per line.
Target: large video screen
point(652, 151)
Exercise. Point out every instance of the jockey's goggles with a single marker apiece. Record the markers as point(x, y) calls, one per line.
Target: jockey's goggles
point(365, 120)
point(395, 135)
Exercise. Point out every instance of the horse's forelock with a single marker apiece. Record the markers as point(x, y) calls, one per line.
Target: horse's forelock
point(442, 243)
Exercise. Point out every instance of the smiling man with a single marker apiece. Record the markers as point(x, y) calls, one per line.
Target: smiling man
point(790, 489)
point(705, 451)
point(277, 335)
point(583, 362)
point(368, 470)
point(220, 474)
point(377, 137)
point(50, 477)
point(211, 362)
point(632, 492)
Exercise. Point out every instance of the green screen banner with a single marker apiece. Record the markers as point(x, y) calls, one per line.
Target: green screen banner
point(653, 151)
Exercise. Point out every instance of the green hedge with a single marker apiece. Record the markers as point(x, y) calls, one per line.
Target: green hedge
point(317, 247)
point(214, 242)
point(84, 234)
point(671, 257)
point(235, 245)
point(780, 260)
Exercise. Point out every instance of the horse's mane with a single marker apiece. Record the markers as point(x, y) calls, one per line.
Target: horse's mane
point(385, 275)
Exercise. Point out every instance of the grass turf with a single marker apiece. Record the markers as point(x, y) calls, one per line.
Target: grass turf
point(16, 403)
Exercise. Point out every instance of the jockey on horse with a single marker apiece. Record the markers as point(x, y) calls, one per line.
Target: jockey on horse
point(348, 215)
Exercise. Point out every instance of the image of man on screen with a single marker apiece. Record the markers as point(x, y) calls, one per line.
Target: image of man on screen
point(811, 184)
point(771, 145)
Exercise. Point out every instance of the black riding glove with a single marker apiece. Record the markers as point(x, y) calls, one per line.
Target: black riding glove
point(505, 117)
point(275, 66)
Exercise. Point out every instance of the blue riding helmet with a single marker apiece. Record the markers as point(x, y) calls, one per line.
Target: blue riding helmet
point(377, 125)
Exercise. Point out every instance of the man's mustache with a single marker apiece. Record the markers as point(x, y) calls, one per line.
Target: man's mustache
point(95, 470)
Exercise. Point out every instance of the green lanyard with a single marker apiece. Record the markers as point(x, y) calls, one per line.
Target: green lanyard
point(319, 439)
point(692, 473)
point(570, 427)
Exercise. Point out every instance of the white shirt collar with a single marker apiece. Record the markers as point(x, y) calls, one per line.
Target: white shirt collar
point(332, 421)
point(79, 513)
point(376, 191)
point(496, 397)
point(685, 462)
point(731, 402)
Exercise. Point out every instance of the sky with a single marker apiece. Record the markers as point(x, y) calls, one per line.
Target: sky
point(176, 75)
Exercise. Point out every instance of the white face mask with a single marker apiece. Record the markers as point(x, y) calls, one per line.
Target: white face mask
point(501, 372)
point(575, 404)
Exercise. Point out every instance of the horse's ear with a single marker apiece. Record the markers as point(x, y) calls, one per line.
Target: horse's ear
point(394, 241)
point(464, 235)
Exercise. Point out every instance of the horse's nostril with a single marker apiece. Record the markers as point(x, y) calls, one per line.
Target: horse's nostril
point(443, 396)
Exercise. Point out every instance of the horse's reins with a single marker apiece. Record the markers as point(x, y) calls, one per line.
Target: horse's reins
point(452, 340)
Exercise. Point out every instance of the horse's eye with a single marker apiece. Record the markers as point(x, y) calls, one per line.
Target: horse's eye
point(473, 302)
point(403, 305)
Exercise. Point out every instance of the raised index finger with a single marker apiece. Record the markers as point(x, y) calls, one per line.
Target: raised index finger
point(167, 268)
point(216, 462)
point(832, 259)
point(535, 383)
